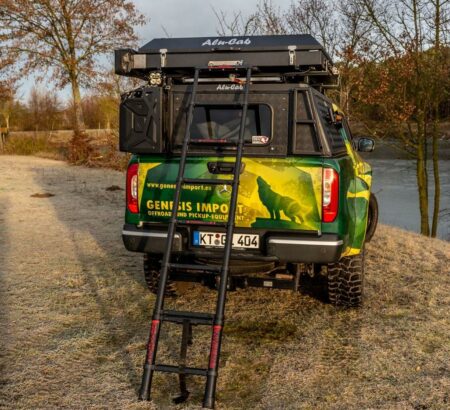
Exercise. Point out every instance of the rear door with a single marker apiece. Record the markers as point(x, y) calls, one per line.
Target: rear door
point(275, 194)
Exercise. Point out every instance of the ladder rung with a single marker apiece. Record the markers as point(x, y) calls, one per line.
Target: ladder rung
point(207, 181)
point(195, 318)
point(180, 370)
point(205, 268)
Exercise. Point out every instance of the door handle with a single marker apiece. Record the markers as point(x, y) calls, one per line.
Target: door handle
point(221, 167)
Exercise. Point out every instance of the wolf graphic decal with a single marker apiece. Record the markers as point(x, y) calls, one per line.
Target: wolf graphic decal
point(275, 202)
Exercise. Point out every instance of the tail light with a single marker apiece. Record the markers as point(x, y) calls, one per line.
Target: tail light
point(132, 188)
point(330, 194)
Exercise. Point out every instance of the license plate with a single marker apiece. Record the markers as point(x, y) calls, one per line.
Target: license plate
point(215, 239)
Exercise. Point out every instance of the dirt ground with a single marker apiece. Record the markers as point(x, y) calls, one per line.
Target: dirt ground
point(74, 315)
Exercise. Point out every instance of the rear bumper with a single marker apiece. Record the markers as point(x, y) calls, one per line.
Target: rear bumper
point(325, 248)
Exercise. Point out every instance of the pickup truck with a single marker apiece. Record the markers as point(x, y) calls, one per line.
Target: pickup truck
point(239, 180)
point(304, 201)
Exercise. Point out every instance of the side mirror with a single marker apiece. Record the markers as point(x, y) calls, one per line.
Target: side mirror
point(366, 144)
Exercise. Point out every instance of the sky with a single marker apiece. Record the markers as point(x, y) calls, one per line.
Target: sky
point(191, 18)
point(179, 18)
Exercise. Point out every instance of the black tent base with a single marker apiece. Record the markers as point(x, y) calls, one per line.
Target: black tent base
point(301, 57)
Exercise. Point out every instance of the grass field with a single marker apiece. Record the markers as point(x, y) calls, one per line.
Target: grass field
point(74, 315)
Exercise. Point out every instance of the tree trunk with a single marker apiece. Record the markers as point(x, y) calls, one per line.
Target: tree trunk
point(435, 136)
point(78, 121)
point(4, 135)
point(422, 177)
point(437, 184)
point(80, 146)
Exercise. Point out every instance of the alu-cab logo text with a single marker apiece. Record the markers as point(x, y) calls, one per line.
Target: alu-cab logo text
point(225, 87)
point(232, 42)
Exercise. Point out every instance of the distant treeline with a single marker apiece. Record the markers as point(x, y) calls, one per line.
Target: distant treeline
point(44, 110)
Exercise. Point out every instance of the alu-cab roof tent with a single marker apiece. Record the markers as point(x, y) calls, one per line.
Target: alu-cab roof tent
point(297, 57)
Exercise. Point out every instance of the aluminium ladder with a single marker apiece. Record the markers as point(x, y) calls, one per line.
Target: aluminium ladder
point(187, 319)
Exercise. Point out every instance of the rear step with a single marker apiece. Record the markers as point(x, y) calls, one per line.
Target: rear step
point(180, 370)
point(195, 318)
point(187, 319)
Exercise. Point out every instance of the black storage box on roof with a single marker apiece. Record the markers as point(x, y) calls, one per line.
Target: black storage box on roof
point(281, 53)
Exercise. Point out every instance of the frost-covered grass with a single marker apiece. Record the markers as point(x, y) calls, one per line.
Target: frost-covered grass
point(74, 315)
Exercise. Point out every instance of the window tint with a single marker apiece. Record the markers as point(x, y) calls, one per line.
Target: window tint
point(303, 108)
point(348, 132)
point(305, 131)
point(222, 122)
point(334, 137)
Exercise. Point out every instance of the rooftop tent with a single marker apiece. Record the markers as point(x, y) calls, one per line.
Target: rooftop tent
point(251, 43)
point(296, 54)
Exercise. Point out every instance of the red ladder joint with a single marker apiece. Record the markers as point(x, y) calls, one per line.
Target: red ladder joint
point(152, 341)
point(236, 80)
point(215, 341)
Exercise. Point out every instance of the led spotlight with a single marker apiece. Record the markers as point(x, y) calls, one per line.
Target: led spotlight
point(155, 79)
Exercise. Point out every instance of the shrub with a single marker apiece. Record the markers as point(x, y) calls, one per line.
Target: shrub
point(32, 145)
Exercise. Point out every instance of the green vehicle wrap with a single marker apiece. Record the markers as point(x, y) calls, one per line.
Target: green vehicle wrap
point(274, 194)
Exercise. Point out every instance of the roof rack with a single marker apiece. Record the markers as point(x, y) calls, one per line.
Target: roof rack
point(293, 58)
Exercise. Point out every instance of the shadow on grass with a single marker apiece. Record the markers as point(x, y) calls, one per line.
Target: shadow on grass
point(314, 287)
point(104, 263)
point(4, 308)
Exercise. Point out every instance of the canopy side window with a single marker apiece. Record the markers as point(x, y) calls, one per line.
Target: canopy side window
point(346, 127)
point(305, 140)
point(331, 129)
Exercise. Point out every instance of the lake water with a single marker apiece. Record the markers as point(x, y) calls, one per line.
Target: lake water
point(395, 186)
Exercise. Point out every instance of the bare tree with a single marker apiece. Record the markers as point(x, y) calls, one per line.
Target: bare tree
point(394, 64)
point(236, 24)
point(438, 21)
point(7, 101)
point(44, 109)
point(266, 19)
point(66, 37)
point(316, 17)
point(407, 34)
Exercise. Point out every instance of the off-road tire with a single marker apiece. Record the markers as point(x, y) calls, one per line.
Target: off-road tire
point(346, 281)
point(372, 217)
point(152, 268)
